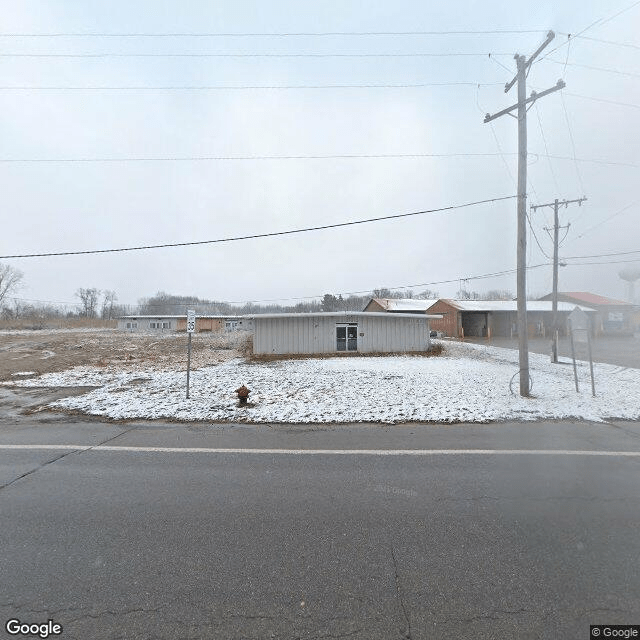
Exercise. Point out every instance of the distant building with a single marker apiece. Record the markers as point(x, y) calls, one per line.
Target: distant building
point(338, 332)
point(611, 317)
point(497, 318)
point(169, 323)
point(238, 323)
point(478, 318)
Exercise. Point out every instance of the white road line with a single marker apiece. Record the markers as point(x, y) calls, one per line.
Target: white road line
point(325, 452)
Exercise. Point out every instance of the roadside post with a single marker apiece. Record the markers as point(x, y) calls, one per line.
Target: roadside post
point(191, 327)
point(579, 328)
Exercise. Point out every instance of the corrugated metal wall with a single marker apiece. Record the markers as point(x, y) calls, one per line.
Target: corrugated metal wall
point(300, 334)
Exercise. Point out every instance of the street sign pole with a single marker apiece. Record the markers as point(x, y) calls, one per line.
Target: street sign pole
point(191, 326)
point(593, 384)
point(573, 357)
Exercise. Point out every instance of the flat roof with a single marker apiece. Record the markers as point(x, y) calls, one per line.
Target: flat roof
point(509, 305)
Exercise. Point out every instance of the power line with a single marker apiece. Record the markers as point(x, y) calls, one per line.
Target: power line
point(592, 68)
point(579, 264)
point(617, 213)
point(603, 255)
point(617, 44)
point(598, 22)
point(544, 253)
point(345, 156)
point(248, 87)
point(546, 148)
point(483, 276)
point(192, 34)
point(259, 235)
point(573, 144)
point(622, 104)
point(251, 55)
point(592, 160)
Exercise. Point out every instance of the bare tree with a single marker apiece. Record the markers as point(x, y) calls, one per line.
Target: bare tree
point(109, 297)
point(89, 301)
point(498, 294)
point(10, 280)
point(428, 294)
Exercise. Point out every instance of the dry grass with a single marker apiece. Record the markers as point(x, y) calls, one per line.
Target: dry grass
point(35, 323)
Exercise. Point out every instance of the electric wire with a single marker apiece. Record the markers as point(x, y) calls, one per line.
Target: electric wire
point(573, 144)
point(592, 68)
point(344, 156)
point(599, 224)
point(483, 276)
point(258, 235)
point(611, 42)
point(106, 55)
point(192, 34)
point(244, 87)
point(604, 100)
point(598, 22)
point(546, 148)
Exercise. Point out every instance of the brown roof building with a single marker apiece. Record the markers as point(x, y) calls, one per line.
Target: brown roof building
point(612, 317)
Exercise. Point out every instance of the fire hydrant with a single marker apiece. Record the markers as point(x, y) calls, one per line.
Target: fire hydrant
point(243, 394)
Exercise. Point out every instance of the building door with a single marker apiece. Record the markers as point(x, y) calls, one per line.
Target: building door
point(347, 337)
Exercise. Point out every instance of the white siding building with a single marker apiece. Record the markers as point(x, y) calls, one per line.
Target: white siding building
point(357, 332)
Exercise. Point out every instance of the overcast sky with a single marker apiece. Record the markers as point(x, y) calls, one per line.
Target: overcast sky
point(67, 206)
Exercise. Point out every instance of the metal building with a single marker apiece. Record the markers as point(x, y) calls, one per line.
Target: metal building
point(356, 332)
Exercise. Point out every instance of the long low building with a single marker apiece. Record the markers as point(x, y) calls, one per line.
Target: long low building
point(179, 323)
point(340, 332)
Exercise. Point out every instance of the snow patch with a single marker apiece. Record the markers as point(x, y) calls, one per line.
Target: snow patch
point(469, 383)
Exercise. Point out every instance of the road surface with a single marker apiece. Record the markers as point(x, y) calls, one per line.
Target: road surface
point(154, 530)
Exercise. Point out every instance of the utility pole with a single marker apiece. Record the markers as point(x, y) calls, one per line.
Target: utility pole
point(523, 67)
point(554, 300)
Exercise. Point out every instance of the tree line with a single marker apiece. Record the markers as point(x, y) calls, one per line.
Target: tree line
point(94, 303)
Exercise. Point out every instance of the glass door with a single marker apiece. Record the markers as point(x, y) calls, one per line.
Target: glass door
point(347, 337)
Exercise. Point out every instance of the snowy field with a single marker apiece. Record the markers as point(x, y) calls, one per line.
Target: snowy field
point(468, 383)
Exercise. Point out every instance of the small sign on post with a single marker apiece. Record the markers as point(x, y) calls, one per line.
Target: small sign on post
point(191, 327)
point(579, 327)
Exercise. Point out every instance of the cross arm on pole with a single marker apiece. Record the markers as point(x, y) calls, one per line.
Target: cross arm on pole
point(560, 203)
point(550, 36)
point(534, 96)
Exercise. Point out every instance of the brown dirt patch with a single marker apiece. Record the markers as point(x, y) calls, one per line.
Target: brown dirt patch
point(49, 351)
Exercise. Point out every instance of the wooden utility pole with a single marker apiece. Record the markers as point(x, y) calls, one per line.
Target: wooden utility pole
point(523, 66)
point(554, 300)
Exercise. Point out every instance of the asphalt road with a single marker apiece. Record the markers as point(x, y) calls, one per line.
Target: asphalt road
point(174, 541)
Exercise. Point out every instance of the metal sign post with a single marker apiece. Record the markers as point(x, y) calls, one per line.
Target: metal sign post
point(579, 327)
point(593, 384)
point(191, 327)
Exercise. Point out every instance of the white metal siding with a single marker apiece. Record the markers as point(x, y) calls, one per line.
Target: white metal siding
point(289, 335)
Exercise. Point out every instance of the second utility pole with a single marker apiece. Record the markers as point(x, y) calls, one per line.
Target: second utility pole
point(523, 67)
point(554, 299)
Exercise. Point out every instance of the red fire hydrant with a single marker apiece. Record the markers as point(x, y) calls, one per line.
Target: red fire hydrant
point(243, 394)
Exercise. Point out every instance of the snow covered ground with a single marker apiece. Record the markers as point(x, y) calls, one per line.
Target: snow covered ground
point(468, 383)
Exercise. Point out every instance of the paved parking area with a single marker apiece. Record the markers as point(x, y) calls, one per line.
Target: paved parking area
point(623, 351)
